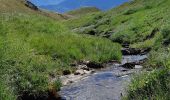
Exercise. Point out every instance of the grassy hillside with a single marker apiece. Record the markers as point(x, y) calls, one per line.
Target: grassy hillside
point(35, 48)
point(132, 22)
point(83, 11)
point(142, 24)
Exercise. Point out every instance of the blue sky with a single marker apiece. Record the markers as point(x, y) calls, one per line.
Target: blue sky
point(46, 2)
point(62, 6)
point(55, 2)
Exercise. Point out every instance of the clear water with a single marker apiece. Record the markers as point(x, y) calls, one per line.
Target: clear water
point(103, 85)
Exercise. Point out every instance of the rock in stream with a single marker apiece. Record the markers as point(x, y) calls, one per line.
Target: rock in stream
point(107, 84)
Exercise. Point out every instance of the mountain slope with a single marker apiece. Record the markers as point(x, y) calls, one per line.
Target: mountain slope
point(131, 22)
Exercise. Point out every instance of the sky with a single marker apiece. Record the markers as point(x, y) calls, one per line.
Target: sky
point(55, 2)
point(46, 2)
point(62, 6)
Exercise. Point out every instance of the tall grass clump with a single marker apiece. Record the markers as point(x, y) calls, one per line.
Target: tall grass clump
point(5, 92)
point(150, 86)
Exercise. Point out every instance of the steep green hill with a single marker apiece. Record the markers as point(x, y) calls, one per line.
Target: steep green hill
point(132, 22)
point(35, 48)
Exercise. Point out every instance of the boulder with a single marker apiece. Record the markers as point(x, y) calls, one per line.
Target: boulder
point(87, 72)
point(31, 5)
point(84, 67)
point(94, 65)
point(129, 65)
point(79, 72)
point(131, 51)
point(134, 51)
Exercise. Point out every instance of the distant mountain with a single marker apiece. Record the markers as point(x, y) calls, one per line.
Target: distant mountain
point(68, 5)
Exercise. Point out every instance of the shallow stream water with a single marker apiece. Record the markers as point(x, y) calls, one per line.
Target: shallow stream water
point(107, 84)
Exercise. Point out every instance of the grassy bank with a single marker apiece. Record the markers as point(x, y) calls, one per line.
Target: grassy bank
point(138, 22)
point(34, 48)
point(153, 85)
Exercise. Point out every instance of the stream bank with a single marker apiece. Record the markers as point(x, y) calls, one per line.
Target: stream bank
point(108, 83)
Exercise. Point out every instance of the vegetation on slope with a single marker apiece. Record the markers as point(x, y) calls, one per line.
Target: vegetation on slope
point(142, 24)
point(136, 22)
point(34, 49)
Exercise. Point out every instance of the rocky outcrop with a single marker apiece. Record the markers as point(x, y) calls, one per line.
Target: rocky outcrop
point(31, 5)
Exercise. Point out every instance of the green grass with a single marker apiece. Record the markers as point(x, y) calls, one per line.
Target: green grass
point(34, 47)
point(153, 85)
point(129, 23)
point(79, 21)
point(5, 92)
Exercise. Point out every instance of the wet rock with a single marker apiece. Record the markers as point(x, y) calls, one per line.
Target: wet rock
point(87, 72)
point(84, 62)
point(129, 65)
point(124, 70)
point(84, 67)
point(138, 67)
point(79, 72)
point(65, 82)
point(31, 5)
point(124, 76)
point(134, 51)
point(66, 72)
point(131, 51)
point(95, 65)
